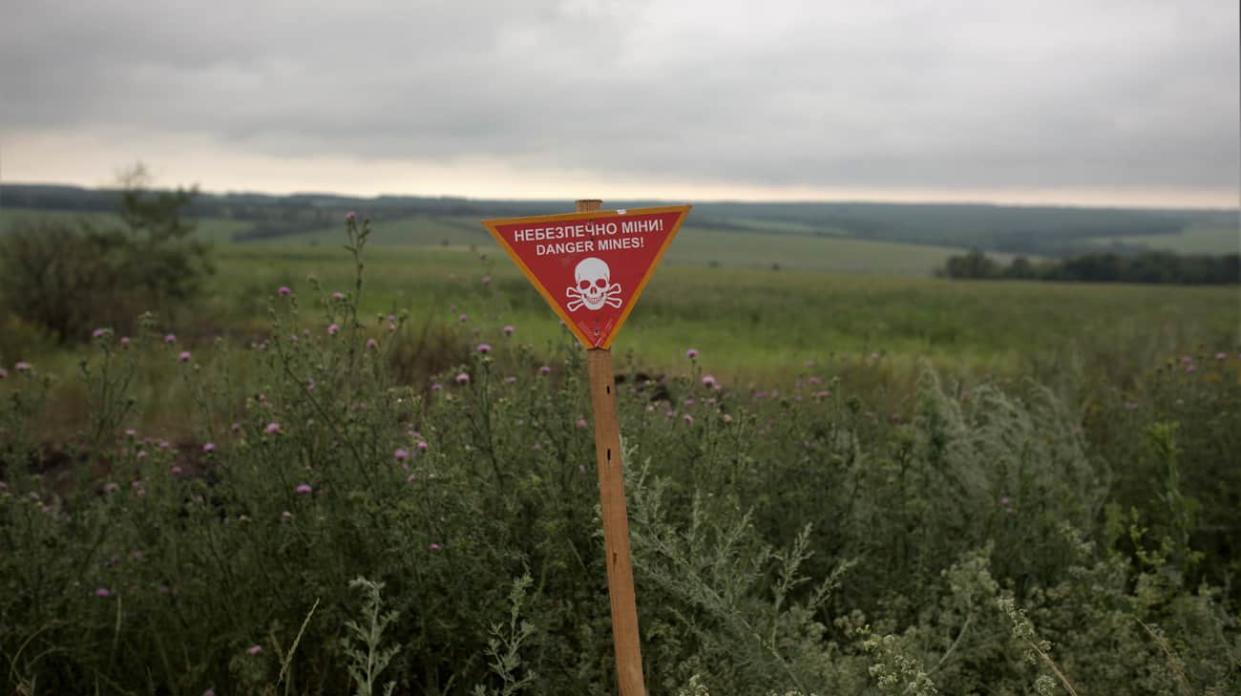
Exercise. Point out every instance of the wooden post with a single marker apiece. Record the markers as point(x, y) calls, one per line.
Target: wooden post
point(625, 637)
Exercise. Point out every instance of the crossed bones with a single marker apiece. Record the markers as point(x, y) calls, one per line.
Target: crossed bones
point(593, 300)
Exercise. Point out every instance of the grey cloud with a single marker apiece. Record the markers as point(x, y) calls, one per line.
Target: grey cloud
point(935, 94)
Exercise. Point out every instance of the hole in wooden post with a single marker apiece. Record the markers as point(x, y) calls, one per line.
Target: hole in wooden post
point(609, 454)
point(609, 388)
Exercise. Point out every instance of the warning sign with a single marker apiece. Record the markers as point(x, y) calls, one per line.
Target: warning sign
point(590, 267)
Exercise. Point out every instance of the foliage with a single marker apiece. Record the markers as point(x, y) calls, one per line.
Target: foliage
point(70, 278)
point(1144, 267)
point(964, 537)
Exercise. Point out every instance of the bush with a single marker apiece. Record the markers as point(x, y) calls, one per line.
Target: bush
point(72, 278)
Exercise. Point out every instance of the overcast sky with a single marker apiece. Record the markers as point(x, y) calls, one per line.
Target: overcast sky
point(1077, 101)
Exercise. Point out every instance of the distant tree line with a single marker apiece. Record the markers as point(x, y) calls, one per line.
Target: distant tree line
point(1145, 267)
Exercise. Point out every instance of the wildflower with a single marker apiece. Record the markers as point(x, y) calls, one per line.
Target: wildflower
point(463, 378)
point(486, 280)
point(689, 401)
point(545, 370)
point(1191, 368)
point(131, 433)
point(209, 692)
point(510, 380)
point(333, 329)
point(692, 353)
point(727, 418)
point(284, 291)
point(709, 382)
point(208, 447)
point(463, 318)
point(22, 366)
point(4, 374)
point(689, 420)
point(820, 395)
point(372, 344)
point(435, 547)
point(124, 341)
point(1221, 356)
point(164, 444)
point(100, 333)
point(183, 356)
point(411, 479)
point(103, 592)
point(141, 454)
point(508, 329)
point(176, 470)
point(435, 387)
point(484, 348)
point(272, 428)
point(351, 216)
point(401, 455)
point(303, 489)
point(581, 424)
point(254, 649)
point(170, 339)
point(286, 516)
point(338, 296)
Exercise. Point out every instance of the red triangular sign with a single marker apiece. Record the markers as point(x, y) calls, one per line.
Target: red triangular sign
point(590, 267)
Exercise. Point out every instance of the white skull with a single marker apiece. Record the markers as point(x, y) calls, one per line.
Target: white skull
point(593, 286)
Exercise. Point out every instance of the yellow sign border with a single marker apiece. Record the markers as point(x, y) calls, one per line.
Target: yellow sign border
point(493, 226)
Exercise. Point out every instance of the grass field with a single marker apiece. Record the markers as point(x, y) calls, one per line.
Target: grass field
point(758, 321)
point(861, 481)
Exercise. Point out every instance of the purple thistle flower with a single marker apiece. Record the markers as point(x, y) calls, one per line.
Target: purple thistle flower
point(435, 547)
point(545, 370)
point(351, 216)
point(338, 296)
point(209, 692)
point(422, 445)
point(22, 366)
point(581, 424)
point(176, 470)
point(170, 338)
point(486, 280)
point(484, 348)
point(303, 489)
point(100, 333)
point(436, 386)
point(509, 329)
point(510, 380)
point(284, 291)
point(463, 318)
point(401, 455)
point(254, 649)
point(183, 356)
point(4, 374)
point(372, 344)
point(692, 353)
point(333, 329)
point(124, 341)
point(709, 382)
point(272, 428)
point(208, 447)
point(463, 378)
point(689, 420)
point(1221, 356)
point(111, 487)
point(727, 418)
point(103, 592)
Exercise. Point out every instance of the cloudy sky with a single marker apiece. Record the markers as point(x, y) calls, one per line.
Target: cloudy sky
point(1074, 101)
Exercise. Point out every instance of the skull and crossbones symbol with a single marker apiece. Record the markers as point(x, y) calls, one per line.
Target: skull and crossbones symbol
point(593, 286)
